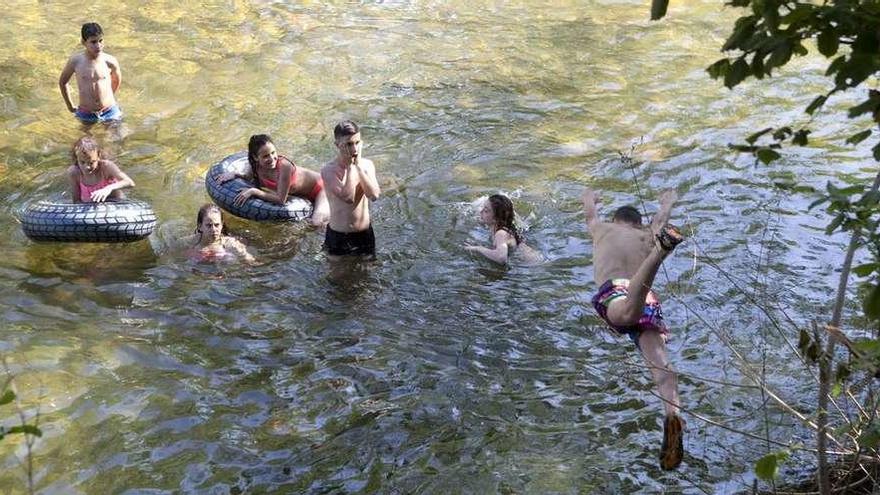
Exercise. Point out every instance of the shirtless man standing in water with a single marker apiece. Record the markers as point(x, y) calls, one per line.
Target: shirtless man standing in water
point(626, 257)
point(350, 183)
point(98, 77)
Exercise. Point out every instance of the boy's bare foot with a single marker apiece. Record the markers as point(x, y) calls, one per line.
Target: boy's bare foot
point(669, 237)
point(672, 448)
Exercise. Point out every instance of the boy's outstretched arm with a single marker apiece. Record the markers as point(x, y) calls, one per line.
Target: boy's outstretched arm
point(66, 74)
point(590, 209)
point(667, 200)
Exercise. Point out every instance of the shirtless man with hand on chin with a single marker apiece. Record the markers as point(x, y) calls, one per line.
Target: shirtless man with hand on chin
point(350, 183)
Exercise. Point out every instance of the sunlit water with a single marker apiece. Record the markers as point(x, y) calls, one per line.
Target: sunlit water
point(426, 371)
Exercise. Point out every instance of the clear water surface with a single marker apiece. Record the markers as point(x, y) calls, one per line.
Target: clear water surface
point(427, 371)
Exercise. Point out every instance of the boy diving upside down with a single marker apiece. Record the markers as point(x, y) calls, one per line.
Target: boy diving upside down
point(626, 257)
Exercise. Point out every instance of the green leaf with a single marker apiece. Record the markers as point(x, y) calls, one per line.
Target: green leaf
point(766, 155)
point(758, 64)
point(804, 340)
point(876, 150)
point(818, 202)
point(782, 133)
point(780, 55)
point(858, 137)
point(800, 137)
point(867, 347)
point(742, 148)
point(835, 65)
point(754, 137)
point(838, 220)
point(870, 437)
point(767, 467)
point(815, 104)
point(737, 73)
point(813, 352)
point(857, 68)
point(842, 372)
point(866, 106)
point(7, 397)
point(25, 429)
point(801, 12)
point(743, 30)
point(836, 389)
point(828, 42)
point(658, 9)
point(872, 303)
point(719, 69)
point(866, 269)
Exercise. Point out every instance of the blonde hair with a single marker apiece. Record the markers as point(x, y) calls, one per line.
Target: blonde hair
point(85, 144)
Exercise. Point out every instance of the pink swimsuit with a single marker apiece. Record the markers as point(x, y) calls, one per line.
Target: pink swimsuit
point(85, 190)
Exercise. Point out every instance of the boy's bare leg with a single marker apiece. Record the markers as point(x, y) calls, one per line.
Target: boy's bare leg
point(653, 348)
point(627, 310)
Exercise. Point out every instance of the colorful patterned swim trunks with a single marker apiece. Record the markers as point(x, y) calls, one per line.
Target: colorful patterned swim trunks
point(651, 319)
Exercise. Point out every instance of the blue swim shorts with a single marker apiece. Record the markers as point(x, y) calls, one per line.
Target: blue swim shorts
point(113, 113)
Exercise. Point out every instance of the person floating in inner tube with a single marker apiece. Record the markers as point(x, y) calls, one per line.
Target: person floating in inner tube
point(98, 77)
point(626, 257)
point(497, 213)
point(210, 243)
point(280, 176)
point(351, 182)
point(94, 179)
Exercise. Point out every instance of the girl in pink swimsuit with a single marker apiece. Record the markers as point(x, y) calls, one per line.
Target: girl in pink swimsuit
point(93, 178)
point(281, 177)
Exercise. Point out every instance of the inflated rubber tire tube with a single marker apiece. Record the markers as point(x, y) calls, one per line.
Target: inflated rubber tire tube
point(112, 221)
point(295, 209)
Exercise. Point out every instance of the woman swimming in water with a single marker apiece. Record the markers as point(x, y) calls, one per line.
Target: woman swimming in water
point(210, 243)
point(497, 213)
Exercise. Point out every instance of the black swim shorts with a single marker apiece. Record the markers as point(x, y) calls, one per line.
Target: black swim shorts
point(350, 243)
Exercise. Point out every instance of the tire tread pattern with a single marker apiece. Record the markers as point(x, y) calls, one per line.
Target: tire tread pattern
point(112, 221)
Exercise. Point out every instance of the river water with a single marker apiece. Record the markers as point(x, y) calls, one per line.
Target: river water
point(426, 371)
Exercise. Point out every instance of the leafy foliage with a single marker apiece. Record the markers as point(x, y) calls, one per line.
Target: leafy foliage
point(847, 34)
point(767, 467)
point(773, 31)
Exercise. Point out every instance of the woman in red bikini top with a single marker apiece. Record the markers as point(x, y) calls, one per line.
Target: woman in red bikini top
point(281, 177)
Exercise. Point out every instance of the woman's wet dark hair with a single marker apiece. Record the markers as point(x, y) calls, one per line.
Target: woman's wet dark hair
point(502, 210)
point(628, 214)
point(256, 142)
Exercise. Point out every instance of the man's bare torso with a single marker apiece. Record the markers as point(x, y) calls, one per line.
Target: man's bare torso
point(93, 82)
point(619, 250)
point(347, 217)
